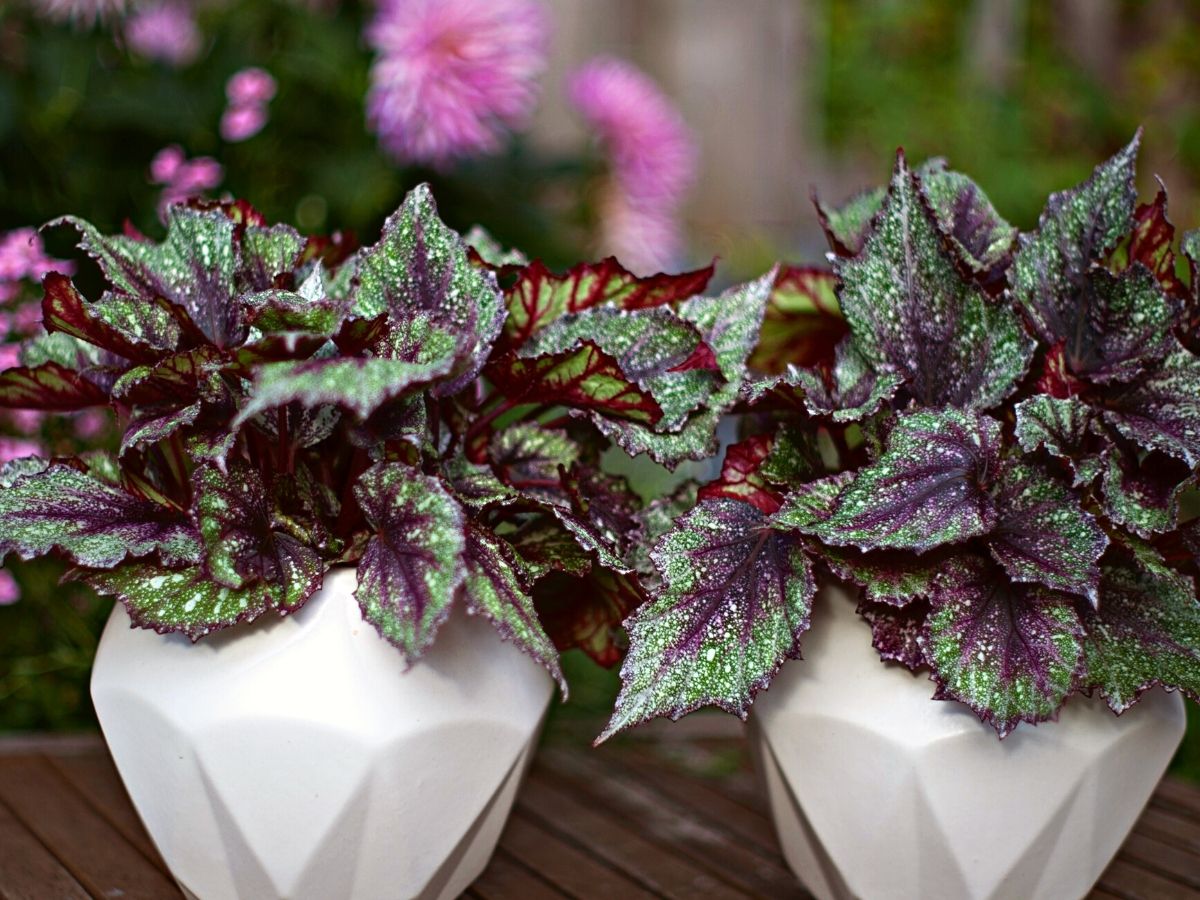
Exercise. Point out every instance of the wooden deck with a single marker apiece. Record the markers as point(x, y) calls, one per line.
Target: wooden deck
point(670, 812)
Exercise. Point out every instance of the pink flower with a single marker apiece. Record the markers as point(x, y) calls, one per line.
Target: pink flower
point(10, 591)
point(653, 153)
point(164, 31)
point(90, 424)
point(451, 76)
point(23, 257)
point(27, 318)
point(10, 356)
point(250, 87)
point(240, 123)
point(27, 421)
point(181, 177)
point(17, 448)
point(653, 161)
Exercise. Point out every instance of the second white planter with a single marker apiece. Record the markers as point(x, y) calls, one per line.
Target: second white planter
point(298, 758)
point(877, 791)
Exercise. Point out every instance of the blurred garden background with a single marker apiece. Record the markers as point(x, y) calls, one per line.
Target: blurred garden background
point(664, 131)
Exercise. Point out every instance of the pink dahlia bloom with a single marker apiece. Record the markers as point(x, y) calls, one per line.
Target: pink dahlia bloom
point(181, 177)
point(10, 592)
point(166, 32)
point(451, 76)
point(653, 152)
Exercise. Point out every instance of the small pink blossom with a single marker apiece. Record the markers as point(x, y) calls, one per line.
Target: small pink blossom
point(240, 123)
point(653, 152)
point(23, 257)
point(182, 178)
point(452, 76)
point(10, 591)
point(27, 318)
point(10, 356)
point(18, 448)
point(27, 421)
point(165, 31)
point(643, 237)
point(250, 87)
point(90, 424)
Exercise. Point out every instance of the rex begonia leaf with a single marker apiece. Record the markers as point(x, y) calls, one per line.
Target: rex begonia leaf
point(95, 523)
point(1063, 427)
point(1043, 535)
point(1142, 496)
point(736, 597)
point(545, 546)
point(897, 631)
point(421, 270)
point(492, 586)
point(476, 486)
point(491, 251)
point(846, 226)
point(653, 348)
point(655, 519)
point(849, 390)
point(1150, 243)
point(130, 327)
point(50, 387)
point(359, 384)
point(411, 569)
point(192, 269)
point(1189, 329)
point(740, 478)
point(1161, 411)
point(794, 457)
point(190, 601)
point(1146, 631)
point(888, 577)
point(283, 311)
point(1077, 228)
point(71, 353)
point(267, 252)
point(174, 379)
point(583, 377)
point(540, 297)
point(928, 489)
point(982, 239)
point(729, 325)
point(532, 458)
point(234, 514)
point(1011, 652)
point(585, 612)
point(912, 311)
point(151, 424)
point(802, 323)
point(808, 505)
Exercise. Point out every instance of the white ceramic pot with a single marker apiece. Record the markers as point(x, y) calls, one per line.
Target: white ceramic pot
point(877, 791)
point(297, 757)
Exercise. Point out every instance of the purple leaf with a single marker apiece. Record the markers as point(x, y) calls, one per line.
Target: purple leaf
point(1143, 495)
point(1161, 411)
point(131, 328)
point(803, 322)
point(849, 390)
point(1146, 631)
point(1066, 428)
point(846, 226)
point(50, 387)
point(736, 598)
point(585, 612)
point(886, 577)
point(149, 425)
point(95, 523)
point(982, 240)
point(412, 567)
point(1011, 652)
point(740, 478)
point(928, 489)
point(896, 632)
point(912, 312)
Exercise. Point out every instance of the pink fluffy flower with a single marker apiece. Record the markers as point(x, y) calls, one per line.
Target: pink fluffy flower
point(181, 177)
point(653, 152)
point(239, 123)
point(18, 448)
point(451, 76)
point(653, 161)
point(10, 591)
point(250, 87)
point(10, 356)
point(23, 257)
point(164, 31)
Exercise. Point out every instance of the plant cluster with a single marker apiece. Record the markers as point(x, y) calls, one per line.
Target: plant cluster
point(427, 409)
point(990, 435)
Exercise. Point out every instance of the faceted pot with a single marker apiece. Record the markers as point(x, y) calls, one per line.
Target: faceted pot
point(297, 757)
point(878, 791)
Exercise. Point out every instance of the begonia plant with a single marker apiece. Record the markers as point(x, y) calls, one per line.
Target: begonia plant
point(429, 409)
point(994, 437)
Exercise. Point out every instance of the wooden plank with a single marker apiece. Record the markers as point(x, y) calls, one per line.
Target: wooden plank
point(569, 869)
point(1178, 796)
point(87, 845)
point(690, 830)
point(28, 871)
point(1164, 825)
point(619, 841)
point(1133, 882)
point(97, 780)
point(507, 879)
point(1163, 858)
